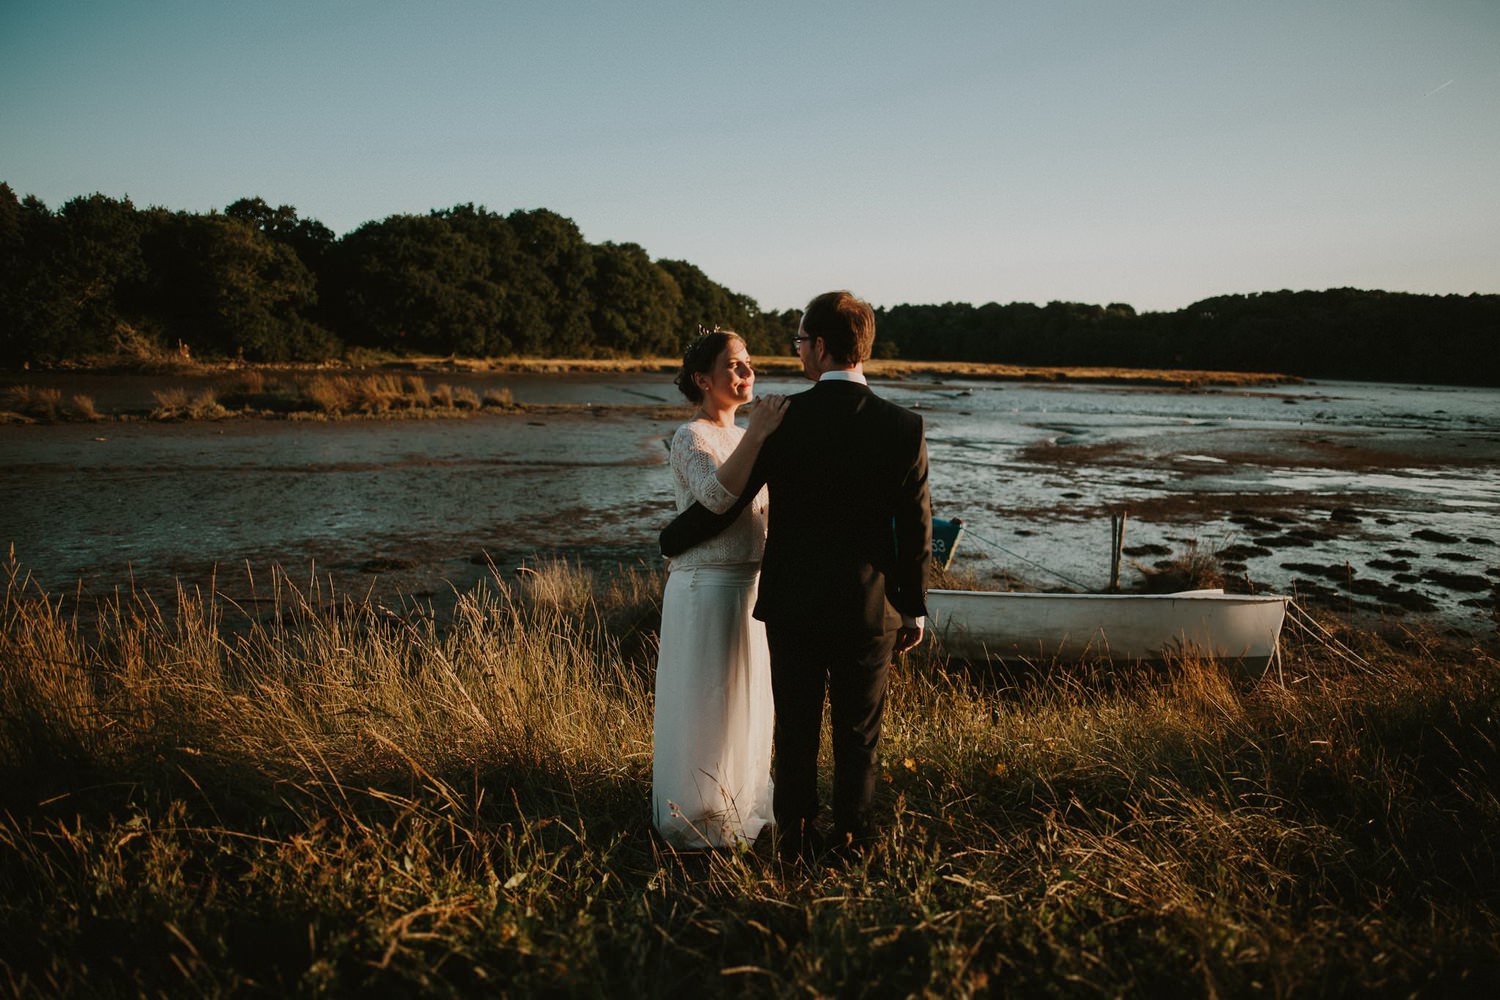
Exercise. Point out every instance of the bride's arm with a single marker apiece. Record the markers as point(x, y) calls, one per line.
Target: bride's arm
point(697, 469)
point(765, 417)
point(711, 513)
point(713, 508)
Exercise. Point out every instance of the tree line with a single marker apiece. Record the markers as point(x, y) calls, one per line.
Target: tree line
point(1343, 333)
point(265, 284)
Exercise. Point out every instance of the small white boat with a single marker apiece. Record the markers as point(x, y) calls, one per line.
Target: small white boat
point(1046, 628)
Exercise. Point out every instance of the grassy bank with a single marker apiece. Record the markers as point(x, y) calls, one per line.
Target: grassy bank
point(311, 793)
point(888, 368)
point(365, 361)
point(393, 388)
point(254, 393)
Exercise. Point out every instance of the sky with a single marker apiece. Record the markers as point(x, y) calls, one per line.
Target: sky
point(1153, 153)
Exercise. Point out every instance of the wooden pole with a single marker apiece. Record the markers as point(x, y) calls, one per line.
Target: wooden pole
point(1114, 566)
point(1116, 545)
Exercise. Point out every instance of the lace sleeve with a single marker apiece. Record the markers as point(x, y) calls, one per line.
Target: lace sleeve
point(697, 469)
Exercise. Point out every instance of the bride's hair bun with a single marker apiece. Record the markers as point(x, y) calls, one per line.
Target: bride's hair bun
point(700, 358)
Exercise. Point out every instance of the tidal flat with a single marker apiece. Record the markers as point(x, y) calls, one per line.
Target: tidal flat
point(1378, 500)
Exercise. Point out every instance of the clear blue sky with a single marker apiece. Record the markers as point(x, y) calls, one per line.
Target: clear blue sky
point(1145, 152)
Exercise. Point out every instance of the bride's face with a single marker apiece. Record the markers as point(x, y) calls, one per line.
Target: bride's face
point(731, 381)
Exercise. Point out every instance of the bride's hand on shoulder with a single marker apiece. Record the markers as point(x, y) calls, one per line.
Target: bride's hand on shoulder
point(766, 414)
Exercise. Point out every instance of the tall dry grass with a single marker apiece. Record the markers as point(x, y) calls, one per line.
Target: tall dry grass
point(253, 393)
point(251, 382)
point(178, 403)
point(502, 398)
point(336, 394)
point(384, 394)
point(417, 391)
point(306, 792)
point(33, 401)
point(84, 408)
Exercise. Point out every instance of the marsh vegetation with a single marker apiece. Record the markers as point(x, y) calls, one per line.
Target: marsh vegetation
point(305, 791)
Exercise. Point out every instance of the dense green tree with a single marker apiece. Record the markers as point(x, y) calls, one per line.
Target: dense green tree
point(312, 241)
point(225, 288)
point(414, 284)
point(264, 283)
point(314, 244)
point(66, 275)
point(706, 304)
point(100, 264)
point(1344, 333)
point(778, 329)
point(16, 302)
point(562, 257)
point(636, 303)
point(525, 291)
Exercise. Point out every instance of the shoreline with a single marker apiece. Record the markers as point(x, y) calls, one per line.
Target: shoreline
point(1385, 515)
point(884, 368)
point(397, 389)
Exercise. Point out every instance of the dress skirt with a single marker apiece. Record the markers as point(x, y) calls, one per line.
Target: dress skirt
point(711, 768)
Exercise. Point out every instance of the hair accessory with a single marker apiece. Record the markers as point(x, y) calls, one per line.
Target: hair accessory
point(703, 334)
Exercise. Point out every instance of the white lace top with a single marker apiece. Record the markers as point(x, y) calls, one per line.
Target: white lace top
point(698, 449)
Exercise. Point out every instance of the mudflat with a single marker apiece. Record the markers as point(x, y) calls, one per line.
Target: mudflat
point(1377, 499)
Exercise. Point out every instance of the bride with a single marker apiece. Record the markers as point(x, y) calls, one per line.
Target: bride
point(711, 734)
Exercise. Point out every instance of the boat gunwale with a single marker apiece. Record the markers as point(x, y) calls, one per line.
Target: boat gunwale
point(1185, 596)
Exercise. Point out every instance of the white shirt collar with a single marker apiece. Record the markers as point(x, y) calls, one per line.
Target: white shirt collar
point(843, 375)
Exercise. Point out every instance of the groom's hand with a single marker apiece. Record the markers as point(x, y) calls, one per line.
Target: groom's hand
point(908, 636)
point(696, 525)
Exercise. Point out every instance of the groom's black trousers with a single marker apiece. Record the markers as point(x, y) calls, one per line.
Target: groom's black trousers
point(853, 670)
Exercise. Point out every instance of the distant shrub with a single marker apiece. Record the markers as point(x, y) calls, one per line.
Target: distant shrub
point(254, 388)
point(417, 393)
point(379, 393)
point(372, 394)
point(205, 406)
point(170, 403)
point(34, 401)
point(1194, 568)
point(251, 383)
point(329, 395)
point(177, 404)
point(83, 407)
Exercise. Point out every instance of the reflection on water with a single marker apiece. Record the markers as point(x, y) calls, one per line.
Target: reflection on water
point(1033, 469)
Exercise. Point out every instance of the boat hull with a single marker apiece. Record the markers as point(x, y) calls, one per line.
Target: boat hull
point(1063, 628)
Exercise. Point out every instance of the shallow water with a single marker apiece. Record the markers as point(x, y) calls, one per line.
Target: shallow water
point(1346, 473)
point(1321, 475)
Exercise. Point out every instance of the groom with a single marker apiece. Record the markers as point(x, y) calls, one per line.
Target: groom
point(843, 582)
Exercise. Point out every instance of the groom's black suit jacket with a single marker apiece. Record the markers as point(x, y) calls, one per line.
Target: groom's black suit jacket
point(849, 542)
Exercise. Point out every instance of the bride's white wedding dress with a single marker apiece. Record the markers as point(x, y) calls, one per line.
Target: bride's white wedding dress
point(711, 734)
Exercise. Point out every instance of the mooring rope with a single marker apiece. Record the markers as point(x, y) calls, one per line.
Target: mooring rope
point(1016, 555)
point(1328, 641)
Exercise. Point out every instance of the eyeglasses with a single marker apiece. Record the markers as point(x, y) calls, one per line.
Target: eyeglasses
point(797, 342)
